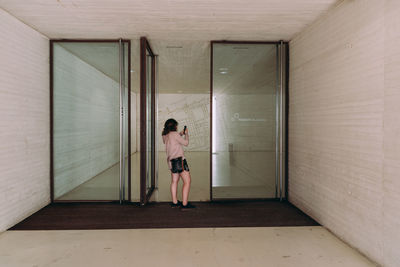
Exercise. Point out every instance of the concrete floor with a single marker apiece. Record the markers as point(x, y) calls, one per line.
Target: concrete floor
point(274, 246)
point(235, 175)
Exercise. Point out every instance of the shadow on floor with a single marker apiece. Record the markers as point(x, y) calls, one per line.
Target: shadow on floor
point(77, 216)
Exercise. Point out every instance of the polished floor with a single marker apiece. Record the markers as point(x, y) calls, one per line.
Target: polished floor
point(105, 185)
point(264, 246)
point(235, 175)
point(243, 175)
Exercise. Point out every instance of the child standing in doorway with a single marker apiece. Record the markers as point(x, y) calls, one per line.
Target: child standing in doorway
point(176, 162)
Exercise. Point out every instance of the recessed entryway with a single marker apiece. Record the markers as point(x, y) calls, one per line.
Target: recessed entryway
point(230, 95)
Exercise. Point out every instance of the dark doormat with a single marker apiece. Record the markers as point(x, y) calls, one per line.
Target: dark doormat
point(76, 216)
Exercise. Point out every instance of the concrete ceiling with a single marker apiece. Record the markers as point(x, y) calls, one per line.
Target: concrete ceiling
point(178, 30)
point(169, 19)
point(184, 66)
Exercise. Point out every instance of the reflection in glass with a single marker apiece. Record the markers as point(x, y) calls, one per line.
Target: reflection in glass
point(244, 120)
point(86, 120)
point(125, 75)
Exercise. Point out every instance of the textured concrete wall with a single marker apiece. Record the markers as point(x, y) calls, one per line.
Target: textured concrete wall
point(24, 123)
point(344, 125)
point(391, 122)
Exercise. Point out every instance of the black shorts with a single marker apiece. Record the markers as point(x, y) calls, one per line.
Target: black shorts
point(178, 165)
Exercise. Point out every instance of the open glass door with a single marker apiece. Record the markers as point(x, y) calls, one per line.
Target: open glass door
point(147, 121)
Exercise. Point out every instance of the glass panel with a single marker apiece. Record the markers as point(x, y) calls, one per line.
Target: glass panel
point(156, 129)
point(149, 131)
point(244, 120)
point(126, 73)
point(86, 114)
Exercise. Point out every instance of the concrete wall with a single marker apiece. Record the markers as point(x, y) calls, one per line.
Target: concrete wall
point(244, 120)
point(192, 110)
point(391, 137)
point(24, 124)
point(86, 121)
point(344, 158)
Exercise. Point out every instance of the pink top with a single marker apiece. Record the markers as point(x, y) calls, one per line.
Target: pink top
point(173, 144)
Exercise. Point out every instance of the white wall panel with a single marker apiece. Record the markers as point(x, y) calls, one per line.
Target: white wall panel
point(24, 123)
point(192, 110)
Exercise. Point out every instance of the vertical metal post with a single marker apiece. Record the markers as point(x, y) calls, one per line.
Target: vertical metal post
point(281, 51)
point(121, 124)
point(123, 118)
point(277, 120)
point(156, 121)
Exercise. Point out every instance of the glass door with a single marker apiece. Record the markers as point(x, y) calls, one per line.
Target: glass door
point(247, 155)
point(90, 144)
point(147, 121)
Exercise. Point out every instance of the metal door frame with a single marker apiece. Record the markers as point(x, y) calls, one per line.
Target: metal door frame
point(282, 98)
point(145, 46)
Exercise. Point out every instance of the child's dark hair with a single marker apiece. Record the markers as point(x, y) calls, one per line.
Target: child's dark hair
point(170, 126)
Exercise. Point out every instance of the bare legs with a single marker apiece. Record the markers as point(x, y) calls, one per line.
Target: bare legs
point(185, 189)
point(174, 186)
